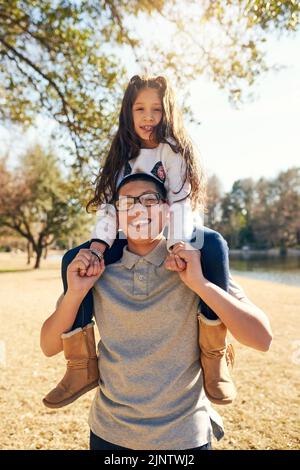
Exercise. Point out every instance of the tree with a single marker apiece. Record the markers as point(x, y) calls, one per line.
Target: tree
point(277, 212)
point(64, 59)
point(237, 209)
point(38, 203)
point(264, 214)
point(213, 205)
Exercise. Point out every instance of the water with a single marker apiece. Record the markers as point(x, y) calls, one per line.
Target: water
point(272, 268)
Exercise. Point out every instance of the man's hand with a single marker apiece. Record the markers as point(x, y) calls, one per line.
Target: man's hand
point(78, 279)
point(186, 261)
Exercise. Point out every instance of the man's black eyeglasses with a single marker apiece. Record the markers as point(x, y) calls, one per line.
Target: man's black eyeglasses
point(124, 203)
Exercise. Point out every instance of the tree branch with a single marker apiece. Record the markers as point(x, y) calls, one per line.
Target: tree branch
point(65, 105)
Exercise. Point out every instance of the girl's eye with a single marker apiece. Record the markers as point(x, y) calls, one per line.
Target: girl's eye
point(141, 109)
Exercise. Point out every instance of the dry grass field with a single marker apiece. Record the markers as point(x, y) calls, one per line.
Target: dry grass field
point(266, 414)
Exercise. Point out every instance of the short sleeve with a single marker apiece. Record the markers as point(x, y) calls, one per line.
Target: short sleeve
point(59, 300)
point(236, 290)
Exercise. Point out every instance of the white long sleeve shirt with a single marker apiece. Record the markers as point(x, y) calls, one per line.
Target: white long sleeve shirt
point(169, 168)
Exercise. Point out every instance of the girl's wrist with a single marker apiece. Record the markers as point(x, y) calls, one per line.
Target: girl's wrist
point(98, 245)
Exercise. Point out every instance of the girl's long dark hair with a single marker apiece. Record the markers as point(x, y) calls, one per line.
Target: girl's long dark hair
point(126, 144)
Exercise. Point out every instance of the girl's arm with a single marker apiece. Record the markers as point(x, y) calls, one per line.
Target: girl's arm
point(105, 229)
point(247, 323)
point(181, 218)
point(64, 316)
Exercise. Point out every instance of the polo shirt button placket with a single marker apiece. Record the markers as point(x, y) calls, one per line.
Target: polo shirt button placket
point(140, 278)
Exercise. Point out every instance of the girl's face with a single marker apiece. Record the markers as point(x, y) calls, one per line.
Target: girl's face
point(147, 112)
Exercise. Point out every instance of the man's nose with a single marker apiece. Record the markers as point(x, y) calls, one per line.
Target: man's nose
point(137, 209)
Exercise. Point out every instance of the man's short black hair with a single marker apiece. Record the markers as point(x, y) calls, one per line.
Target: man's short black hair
point(143, 177)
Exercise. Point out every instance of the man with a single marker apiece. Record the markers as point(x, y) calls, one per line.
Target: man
point(150, 393)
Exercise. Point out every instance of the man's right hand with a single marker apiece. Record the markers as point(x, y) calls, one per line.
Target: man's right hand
point(78, 280)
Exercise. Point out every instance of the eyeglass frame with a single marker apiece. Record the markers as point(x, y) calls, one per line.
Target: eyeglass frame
point(137, 199)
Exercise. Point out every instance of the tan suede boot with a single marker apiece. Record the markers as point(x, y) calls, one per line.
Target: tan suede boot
point(216, 359)
point(82, 372)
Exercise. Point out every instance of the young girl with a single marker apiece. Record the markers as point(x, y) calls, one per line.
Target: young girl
point(151, 139)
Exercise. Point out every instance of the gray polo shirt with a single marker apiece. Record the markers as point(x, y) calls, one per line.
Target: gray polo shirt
point(150, 393)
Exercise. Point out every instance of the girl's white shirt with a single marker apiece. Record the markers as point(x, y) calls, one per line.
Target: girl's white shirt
point(168, 167)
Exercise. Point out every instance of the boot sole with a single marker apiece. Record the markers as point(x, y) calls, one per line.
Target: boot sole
point(74, 397)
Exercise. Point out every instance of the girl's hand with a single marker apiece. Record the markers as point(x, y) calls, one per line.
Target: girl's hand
point(78, 279)
point(174, 262)
point(185, 254)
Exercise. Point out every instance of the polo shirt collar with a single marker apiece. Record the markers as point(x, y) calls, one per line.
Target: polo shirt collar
point(156, 256)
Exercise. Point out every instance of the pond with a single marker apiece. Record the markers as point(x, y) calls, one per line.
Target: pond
point(284, 270)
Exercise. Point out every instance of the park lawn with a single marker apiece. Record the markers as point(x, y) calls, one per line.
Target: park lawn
point(265, 414)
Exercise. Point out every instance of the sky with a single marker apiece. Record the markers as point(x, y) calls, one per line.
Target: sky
point(260, 139)
point(263, 137)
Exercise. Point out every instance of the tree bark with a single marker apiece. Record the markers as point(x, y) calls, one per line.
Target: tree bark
point(39, 252)
point(29, 252)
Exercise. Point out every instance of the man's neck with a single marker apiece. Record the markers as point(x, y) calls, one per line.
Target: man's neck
point(142, 249)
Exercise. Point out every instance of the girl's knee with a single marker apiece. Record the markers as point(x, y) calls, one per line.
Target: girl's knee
point(70, 255)
point(68, 258)
point(215, 242)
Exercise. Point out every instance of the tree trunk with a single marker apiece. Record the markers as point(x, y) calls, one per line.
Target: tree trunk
point(39, 252)
point(29, 252)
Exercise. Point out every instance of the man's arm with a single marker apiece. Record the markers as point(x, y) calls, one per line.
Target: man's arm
point(64, 316)
point(247, 323)
point(59, 322)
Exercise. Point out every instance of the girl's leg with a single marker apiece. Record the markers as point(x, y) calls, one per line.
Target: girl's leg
point(86, 309)
point(215, 265)
point(85, 312)
point(215, 354)
point(79, 345)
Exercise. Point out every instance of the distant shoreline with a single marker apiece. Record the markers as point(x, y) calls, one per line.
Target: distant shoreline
point(287, 279)
point(269, 252)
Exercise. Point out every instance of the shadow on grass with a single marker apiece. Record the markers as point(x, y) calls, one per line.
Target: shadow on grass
point(15, 270)
point(22, 270)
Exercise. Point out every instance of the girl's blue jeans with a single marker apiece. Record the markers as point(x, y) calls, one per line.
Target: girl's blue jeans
point(214, 262)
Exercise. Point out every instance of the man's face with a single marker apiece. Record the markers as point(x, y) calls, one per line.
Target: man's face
point(142, 224)
point(147, 113)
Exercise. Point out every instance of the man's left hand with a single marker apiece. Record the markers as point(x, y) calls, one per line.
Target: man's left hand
point(185, 260)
